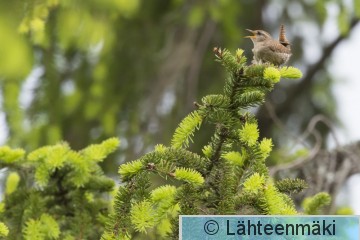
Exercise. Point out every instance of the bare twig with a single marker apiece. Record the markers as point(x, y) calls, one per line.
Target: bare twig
point(310, 131)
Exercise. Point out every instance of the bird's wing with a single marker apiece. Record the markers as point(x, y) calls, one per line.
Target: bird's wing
point(278, 47)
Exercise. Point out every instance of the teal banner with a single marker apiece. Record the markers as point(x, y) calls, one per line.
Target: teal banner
point(268, 227)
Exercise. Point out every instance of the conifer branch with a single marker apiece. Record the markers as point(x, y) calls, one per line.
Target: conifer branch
point(313, 205)
point(231, 176)
point(53, 190)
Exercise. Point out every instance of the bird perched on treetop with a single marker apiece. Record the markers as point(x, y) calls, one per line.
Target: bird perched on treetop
point(268, 50)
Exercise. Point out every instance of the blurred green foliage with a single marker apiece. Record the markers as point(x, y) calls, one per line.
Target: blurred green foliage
point(82, 71)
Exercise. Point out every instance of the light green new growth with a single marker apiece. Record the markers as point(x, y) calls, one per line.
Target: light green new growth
point(183, 134)
point(69, 237)
point(12, 182)
point(164, 228)
point(275, 203)
point(54, 155)
point(44, 228)
point(345, 211)
point(82, 168)
point(235, 158)
point(207, 151)
point(239, 56)
point(42, 175)
point(166, 208)
point(290, 72)
point(266, 147)
point(8, 155)
point(129, 169)
point(51, 158)
point(249, 134)
point(89, 197)
point(254, 183)
point(47, 160)
point(98, 152)
point(189, 175)
point(142, 216)
point(163, 192)
point(50, 226)
point(160, 148)
point(4, 230)
point(312, 205)
point(272, 74)
point(32, 231)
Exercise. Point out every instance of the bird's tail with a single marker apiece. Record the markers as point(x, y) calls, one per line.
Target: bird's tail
point(282, 37)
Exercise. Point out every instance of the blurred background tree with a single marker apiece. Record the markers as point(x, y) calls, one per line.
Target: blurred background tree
point(83, 71)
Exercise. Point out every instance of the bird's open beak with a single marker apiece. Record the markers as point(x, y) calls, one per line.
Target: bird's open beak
point(253, 32)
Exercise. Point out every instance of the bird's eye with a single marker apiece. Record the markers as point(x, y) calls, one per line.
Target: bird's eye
point(258, 33)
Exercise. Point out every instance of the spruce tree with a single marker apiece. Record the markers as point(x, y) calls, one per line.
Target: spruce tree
point(230, 176)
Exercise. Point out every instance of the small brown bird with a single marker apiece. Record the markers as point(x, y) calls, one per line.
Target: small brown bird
point(268, 50)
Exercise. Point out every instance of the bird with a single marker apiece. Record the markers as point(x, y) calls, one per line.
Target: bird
point(269, 50)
